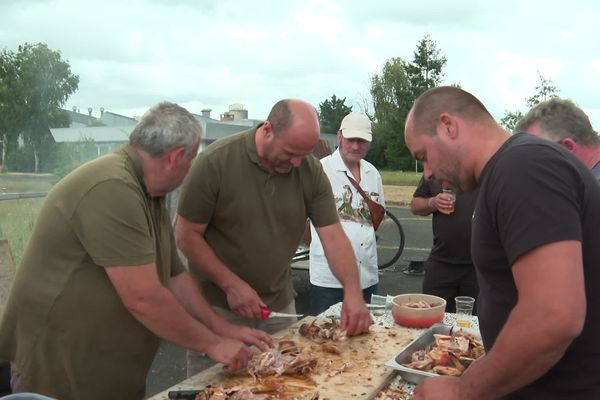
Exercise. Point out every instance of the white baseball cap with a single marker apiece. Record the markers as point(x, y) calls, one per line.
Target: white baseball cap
point(356, 126)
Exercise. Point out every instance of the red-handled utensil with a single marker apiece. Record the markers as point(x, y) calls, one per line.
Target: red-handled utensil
point(266, 313)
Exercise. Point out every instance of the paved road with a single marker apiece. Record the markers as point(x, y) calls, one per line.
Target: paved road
point(169, 365)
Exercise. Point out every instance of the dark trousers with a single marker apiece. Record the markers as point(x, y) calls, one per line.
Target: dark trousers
point(450, 280)
point(321, 298)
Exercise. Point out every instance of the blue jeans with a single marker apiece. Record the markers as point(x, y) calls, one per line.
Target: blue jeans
point(321, 298)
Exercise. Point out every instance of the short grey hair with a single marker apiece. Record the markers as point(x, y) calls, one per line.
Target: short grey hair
point(164, 127)
point(559, 119)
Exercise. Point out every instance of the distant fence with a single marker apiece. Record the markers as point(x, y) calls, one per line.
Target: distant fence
point(17, 196)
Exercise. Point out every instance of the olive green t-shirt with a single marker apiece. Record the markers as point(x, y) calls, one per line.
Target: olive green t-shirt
point(64, 326)
point(255, 220)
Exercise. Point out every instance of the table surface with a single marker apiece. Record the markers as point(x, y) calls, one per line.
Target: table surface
point(381, 317)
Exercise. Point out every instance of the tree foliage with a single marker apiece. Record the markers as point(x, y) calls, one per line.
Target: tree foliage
point(39, 82)
point(11, 106)
point(393, 92)
point(426, 69)
point(544, 90)
point(331, 113)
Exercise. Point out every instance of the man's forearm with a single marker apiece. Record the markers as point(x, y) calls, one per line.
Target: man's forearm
point(202, 256)
point(341, 259)
point(525, 350)
point(189, 296)
point(162, 314)
point(422, 206)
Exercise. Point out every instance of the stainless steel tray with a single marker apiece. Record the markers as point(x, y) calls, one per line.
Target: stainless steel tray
point(421, 342)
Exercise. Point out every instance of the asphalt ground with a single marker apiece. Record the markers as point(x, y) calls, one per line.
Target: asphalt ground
point(169, 366)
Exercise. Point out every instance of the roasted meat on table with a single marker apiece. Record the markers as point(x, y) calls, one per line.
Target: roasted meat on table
point(450, 355)
point(327, 331)
point(286, 358)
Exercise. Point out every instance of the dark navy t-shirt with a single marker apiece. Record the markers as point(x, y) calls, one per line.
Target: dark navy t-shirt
point(534, 192)
point(451, 233)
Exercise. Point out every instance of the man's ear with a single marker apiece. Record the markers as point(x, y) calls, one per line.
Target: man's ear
point(568, 144)
point(267, 129)
point(447, 126)
point(175, 156)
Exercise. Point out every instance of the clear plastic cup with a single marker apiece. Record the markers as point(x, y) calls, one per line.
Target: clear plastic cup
point(450, 192)
point(384, 302)
point(464, 311)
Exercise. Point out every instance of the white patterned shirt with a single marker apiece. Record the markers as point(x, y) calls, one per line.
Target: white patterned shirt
point(356, 221)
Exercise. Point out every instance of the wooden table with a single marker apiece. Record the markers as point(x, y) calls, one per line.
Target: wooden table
point(380, 376)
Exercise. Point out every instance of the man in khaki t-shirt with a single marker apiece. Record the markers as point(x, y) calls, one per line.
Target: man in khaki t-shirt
point(101, 281)
point(242, 213)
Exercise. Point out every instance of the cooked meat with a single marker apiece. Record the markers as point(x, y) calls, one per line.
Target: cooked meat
point(450, 355)
point(284, 359)
point(327, 331)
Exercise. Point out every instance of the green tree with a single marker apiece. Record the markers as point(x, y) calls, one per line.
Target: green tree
point(331, 113)
point(544, 90)
point(426, 69)
point(393, 92)
point(11, 105)
point(510, 119)
point(46, 82)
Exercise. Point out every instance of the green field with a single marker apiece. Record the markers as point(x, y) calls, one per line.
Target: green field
point(18, 216)
point(397, 178)
point(17, 183)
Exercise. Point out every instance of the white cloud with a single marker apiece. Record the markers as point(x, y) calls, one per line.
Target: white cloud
point(375, 32)
point(320, 17)
point(132, 54)
point(366, 56)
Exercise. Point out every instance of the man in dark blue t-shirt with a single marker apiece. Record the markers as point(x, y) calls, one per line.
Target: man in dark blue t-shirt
point(535, 245)
point(449, 271)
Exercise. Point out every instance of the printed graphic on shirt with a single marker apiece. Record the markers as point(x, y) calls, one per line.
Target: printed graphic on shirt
point(352, 207)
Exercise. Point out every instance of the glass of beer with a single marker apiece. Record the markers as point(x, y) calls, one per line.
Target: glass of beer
point(450, 193)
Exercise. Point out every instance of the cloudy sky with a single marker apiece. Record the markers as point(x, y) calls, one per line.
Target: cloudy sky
point(209, 54)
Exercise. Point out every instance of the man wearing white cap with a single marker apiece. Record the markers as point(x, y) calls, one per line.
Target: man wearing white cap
point(343, 166)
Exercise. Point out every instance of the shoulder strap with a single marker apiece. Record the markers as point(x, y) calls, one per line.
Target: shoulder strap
point(357, 186)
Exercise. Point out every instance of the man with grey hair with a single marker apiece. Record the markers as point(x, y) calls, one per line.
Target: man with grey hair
point(101, 281)
point(561, 121)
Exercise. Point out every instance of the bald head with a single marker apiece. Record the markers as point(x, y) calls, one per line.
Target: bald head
point(287, 112)
point(296, 119)
point(424, 114)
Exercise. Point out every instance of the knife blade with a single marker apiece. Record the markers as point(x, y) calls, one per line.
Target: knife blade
point(266, 313)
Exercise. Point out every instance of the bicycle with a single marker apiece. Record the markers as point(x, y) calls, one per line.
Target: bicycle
point(390, 242)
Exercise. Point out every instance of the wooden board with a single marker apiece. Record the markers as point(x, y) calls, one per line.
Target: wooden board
point(365, 375)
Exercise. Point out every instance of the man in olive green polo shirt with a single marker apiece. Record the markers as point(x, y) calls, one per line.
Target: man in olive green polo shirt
point(101, 281)
point(242, 213)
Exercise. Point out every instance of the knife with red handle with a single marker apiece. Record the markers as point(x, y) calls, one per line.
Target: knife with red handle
point(266, 313)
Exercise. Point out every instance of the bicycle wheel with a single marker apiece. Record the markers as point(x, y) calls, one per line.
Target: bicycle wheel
point(390, 241)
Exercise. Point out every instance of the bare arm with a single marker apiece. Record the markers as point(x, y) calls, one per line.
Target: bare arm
point(186, 291)
point(242, 299)
point(428, 205)
point(422, 205)
point(340, 257)
point(154, 306)
point(530, 342)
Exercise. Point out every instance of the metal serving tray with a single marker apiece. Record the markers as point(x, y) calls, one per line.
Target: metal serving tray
point(423, 341)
